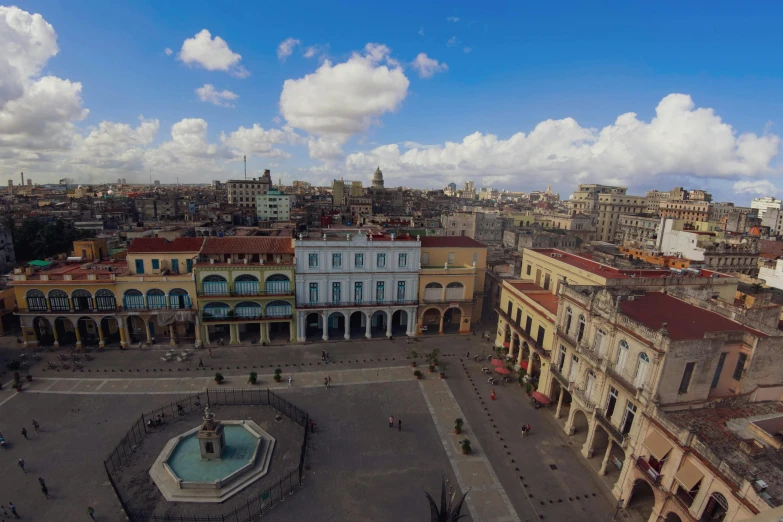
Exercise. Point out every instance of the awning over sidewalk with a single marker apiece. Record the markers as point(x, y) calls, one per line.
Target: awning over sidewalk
point(688, 475)
point(658, 445)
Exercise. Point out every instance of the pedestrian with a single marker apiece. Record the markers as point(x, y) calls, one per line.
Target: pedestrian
point(139, 345)
point(36, 426)
point(323, 355)
point(45, 491)
point(327, 356)
point(210, 353)
point(5, 513)
point(290, 381)
point(391, 421)
point(399, 425)
point(91, 512)
point(24, 433)
point(41, 482)
point(326, 381)
point(330, 381)
point(21, 464)
point(200, 363)
point(13, 509)
point(524, 429)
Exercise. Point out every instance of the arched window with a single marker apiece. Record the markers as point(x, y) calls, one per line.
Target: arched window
point(133, 300)
point(246, 284)
point(179, 299)
point(156, 299)
point(248, 310)
point(58, 301)
point(433, 292)
point(105, 300)
point(580, 332)
point(717, 507)
point(641, 370)
point(278, 309)
point(590, 384)
point(568, 317)
point(215, 285)
point(622, 355)
point(455, 291)
point(216, 311)
point(278, 284)
point(82, 300)
point(36, 301)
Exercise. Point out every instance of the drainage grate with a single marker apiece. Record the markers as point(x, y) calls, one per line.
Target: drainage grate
point(552, 467)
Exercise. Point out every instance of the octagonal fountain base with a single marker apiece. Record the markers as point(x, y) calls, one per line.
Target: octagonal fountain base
point(183, 476)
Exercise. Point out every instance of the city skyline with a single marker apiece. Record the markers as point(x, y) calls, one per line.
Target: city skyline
point(451, 94)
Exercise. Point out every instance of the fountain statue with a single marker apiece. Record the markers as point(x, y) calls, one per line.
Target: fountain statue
point(211, 437)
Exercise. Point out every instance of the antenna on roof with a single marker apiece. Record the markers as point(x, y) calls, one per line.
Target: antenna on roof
point(245, 159)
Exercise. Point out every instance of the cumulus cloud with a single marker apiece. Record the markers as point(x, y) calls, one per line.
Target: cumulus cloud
point(213, 54)
point(286, 48)
point(259, 141)
point(758, 188)
point(451, 42)
point(427, 67)
point(680, 140)
point(338, 101)
point(115, 145)
point(209, 94)
point(168, 51)
point(316, 51)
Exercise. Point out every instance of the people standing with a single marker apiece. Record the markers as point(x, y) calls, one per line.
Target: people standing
point(24, 433)
point(399, 425)
point(210, 353)
point(20, 462)
point(91, 512)
point(391, 421)
point(13, 510)
point(200, 363)
point(36, 426)
point(290, 381)
point(330, 381)
point(326, 382)
point(323, 355)
point(524, 429)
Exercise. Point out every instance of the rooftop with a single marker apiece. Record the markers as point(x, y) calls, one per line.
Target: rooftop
point(450, 242)
point(544, 298)
point(683, 320)
point(248, 245)
point(152, 245)
point(102, 270)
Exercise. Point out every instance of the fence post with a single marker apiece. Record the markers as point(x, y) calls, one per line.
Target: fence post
point(208, 404)
point(144, 423)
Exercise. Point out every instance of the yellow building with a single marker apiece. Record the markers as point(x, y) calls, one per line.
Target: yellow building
point(90, 249)
point(245, 289)
point(451, 284)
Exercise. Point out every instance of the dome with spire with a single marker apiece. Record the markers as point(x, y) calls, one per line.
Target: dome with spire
point(377, 178)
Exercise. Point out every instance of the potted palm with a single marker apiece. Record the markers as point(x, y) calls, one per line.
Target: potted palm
point(449, 510)
point(442, 368)
point(414, 355)
point(458, 426)
point(528, 388)
point(219, 378)
point(252, 378)
point(466, 449)
point(417, 373)
point(277, 375)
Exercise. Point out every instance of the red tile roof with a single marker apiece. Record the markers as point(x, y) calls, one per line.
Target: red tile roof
point(450, 242)
point(684, 321)
point(150, 245)
point(537, 294)
point(248, 245)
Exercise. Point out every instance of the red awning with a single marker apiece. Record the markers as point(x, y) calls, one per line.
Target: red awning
point(498, 362)
point(523, 364)
point(540, 397)
point(505, 345)
point(502, 371)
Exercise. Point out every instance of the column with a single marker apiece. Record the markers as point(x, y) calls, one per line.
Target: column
point(411, 323)
point(559, 404)
point(388, 325)
point(347, 316)
point(149, 334)
point(172, 334)
point(605, 462)
point(123, 334)
point(101, 341)
point(197, 333)
point(325, 318)
point(78, 335)
point(233, 330)
point(293, 324)
point(54, 333)
point(587, 449)
point(440, 326)
point(206, 334)
point(301, 328)
point(569, 425)
point(367, 326)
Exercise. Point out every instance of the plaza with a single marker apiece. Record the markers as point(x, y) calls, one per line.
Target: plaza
point(356, 467)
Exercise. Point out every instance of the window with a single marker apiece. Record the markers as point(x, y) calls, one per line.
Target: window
point(529, 269)
point(718, 370)
point(175, 266)
point(358, 260)
point(337, 260)
point(641, 370)
point(357, 292)
point(189, 265)
point(381, 261)
point(572, 369)
point(598, 341)
point(546, 282)
point(622, 355)
point(740, 366)
point(568, 320)
point(379, 291)
point(561, 359)
point(139, 266)
point(335, 292)
point(528, 324)
point(313, 292)
point(402, 260)
point(630, 413)
point(540, 336)
point(451, 258)
point(686, 377)
point(580, 332)
point(611, 402)
point(425, 258)
point(401, 290)
point(156, 264)
point(312, 260)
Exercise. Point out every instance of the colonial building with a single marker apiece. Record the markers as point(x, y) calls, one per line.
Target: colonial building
point(354, 285)
point(637, 229)
point(245, 289)
point(243, 192)
point(611, 207)
point(274, 205)
point(451, 285)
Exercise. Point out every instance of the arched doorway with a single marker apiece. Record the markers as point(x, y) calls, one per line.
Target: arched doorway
point(430, 321)
point(277, 284)
point(136, 331)
point(111, 330)
point(156, 299)
point(336, 325)
point(43, 331)
point(88, 331)
point(217, 312)
point(179, 299)
point(313, 326)
point(580, 427)
point(451, 320)
point(615, 464)
point(400, 322)
point(358, 324)
point(672, 517)
point(642, 498)
point(717, 507)
point(599, 444)
point(378, 323)
point(65, 332)
point(105, 300)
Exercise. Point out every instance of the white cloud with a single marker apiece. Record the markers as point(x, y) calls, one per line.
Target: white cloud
point(213, 54)
point(112, 146)
point(467, 49)
point(427, 67)
point(421, 31)
point(680, 140)
point(759, 188)
point(286, 48)
point(452, 19)
point(256, 140)
point(451, 42)
point(209, 94)
point(168, 51)
point(316, 51)
point(337, 101)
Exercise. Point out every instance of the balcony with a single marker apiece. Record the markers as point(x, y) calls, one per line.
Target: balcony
point(649, 472)
point(246, 293)
point(559, 376)
point(626, 380)
point(532, 343)
point(589, 354)
point(586, 403)
point(357, 304)
point(566, 337)
point(616, 434)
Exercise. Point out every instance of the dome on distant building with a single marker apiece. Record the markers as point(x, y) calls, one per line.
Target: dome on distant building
point(377, 178)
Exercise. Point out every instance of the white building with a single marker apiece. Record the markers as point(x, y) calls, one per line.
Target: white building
point(273, 205)
point(772, 273)
point(762, 204)
point(357, 284)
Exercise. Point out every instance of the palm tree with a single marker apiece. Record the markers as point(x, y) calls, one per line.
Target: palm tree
point(449, 511)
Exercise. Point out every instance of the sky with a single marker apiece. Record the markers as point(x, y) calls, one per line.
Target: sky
point(512, 95)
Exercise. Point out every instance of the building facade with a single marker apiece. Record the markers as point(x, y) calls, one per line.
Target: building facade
point(274, 205)
point(481, 226)
point(585, 197)
point(357, 285)
point(763, 204)
point(637, 229)
point(687, 210)
point(243, 192)
point(611, 207)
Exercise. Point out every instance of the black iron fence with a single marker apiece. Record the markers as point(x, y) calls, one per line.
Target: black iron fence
point(261, 502)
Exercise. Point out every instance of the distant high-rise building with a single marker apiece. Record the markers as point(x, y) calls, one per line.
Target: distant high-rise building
point(762, 204)
point(119, 181)
point(29, 182)
point(157, 183)
point(123, 181)
point(452, 186)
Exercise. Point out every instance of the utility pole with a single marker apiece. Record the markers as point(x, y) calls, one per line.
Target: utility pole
point(245, 158)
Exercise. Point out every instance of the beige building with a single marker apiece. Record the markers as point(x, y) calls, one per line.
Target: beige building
point(243, 192)
point(610, 207)
point(684, 209)
point(637, 229)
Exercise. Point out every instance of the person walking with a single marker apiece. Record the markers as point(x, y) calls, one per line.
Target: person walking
point(45, 491)
point(36, 426)
point(399, 425)
point(200, 363)
point(391, 421)
point(323, 355)
point(13, 510)
point(330, 381)
point(290, 381)
point(24, 433)
point(91, 512)
point(210, 353)
point(20, 462)
point(139, 345)
point(5, 513)
point(524, 429)
point(326, 382)
point(41, 482)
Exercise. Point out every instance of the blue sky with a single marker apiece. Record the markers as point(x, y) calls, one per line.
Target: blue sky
point(499, 69)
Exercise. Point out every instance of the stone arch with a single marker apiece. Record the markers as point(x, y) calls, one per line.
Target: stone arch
point(105, 301)
point(430, 321)
point(580, 426)
point(245, 277)
point(214, 284)
point(642, 498)
point(156, 299)
point(378, 322)
point(452, 319)
point(313, 325)
point(43, 331)
point(36, 301)
point(400, 321)
point(277, 284)
point(671, 516)
point(357, 322)
point(65, 330)
point(433, 292)
point(136, 329)
point(716, 509)
point(336, 325)
point(278, 309)
point(214, 278)
point(133, 300)
point(642, 367)
point(88, 330)
point(179, 299)
point(58, 301)
point(111, 329)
